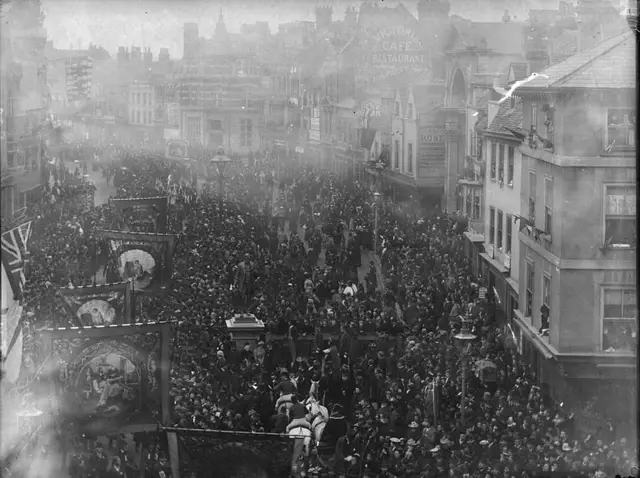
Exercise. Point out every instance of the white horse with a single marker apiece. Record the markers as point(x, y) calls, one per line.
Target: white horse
point(318, 417)
point(301, 447)
point(284, 400)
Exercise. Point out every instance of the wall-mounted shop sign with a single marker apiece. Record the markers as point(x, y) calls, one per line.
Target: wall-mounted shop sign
point(389, 45)
point(431, 154)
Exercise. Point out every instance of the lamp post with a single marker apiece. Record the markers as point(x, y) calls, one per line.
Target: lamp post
point(464, 339)
point(376, 197)
point(221, 161)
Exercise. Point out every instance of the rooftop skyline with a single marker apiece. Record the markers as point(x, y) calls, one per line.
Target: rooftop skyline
point(158, 23)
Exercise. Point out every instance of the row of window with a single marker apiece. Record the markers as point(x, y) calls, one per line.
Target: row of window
point(548, 201)
point(246, 132)
point(194, 126)
point(620, 210)
point(473, 203)
point(141, 117)
point(498, 159)
point(396, 157)
point(144, 99)
point(500, 230)
point(619, 314)
point(530, 278)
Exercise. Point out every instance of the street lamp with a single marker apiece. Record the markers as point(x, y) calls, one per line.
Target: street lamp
point(221, 161)
point(376, 197)
point(464, 339)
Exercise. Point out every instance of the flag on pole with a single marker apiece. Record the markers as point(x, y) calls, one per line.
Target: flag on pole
point(14, 254)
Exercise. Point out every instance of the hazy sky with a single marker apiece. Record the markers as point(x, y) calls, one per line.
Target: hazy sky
point(158, 23)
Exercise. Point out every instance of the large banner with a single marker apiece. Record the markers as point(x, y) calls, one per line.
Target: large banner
point(177, 149)
point(144, 259)
point(107, 304)
point(112, 380)
point(144, 214)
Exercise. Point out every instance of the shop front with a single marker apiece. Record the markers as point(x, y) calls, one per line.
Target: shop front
point(495, 279)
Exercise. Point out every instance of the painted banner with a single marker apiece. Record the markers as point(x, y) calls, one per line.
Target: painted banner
point(106, 304)
point(431, 155)
point(177, 149)
point(144, 214)
point(108, 384)
point(144, 259)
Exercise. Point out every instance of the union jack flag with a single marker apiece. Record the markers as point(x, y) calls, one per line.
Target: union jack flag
point(14, 252)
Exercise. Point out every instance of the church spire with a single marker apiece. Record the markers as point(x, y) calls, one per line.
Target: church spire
point(221, 28)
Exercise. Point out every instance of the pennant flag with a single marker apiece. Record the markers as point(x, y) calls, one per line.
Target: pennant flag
point(145, 259)
point(14, 256)
point(106, 304)
point(144, 214)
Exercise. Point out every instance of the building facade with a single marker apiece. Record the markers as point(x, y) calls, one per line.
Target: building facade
point(25, 107)
point(220, 97)
point(502, 184)
point(576, 318)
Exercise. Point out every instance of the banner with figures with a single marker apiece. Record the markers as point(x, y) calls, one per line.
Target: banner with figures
point(106, 304)
point(177, 149)
point(112, 378)
point(79, 73)
point(144, 214)
point(14, 255)
point(145, 259)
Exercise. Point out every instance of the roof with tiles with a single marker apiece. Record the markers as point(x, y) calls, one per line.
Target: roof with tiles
point(502, 38)
point(610, 64)
point(508, 116)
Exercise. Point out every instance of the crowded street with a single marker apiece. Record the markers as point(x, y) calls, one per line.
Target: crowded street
point(378, 241)
point(383, 415)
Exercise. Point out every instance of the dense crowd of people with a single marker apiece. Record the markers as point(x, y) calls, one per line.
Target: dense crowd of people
point(300, 260)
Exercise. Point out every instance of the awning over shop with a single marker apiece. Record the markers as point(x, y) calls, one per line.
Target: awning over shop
point(494, 263)
point(474, 237)
point(400, 178)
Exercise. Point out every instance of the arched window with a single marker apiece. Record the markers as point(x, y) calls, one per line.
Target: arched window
point(458, 91)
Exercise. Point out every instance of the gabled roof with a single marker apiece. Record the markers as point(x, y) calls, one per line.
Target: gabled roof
point(610, 64)
point(502, 38)
point(507, 117)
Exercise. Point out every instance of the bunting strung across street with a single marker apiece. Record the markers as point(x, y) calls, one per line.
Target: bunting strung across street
point(14, 255)
point(106, 304)
point(144, 214)
point(79, 74)
point(144, 259)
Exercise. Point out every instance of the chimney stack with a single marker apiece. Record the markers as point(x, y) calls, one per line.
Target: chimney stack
point(164, 55)
point(324, 17)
